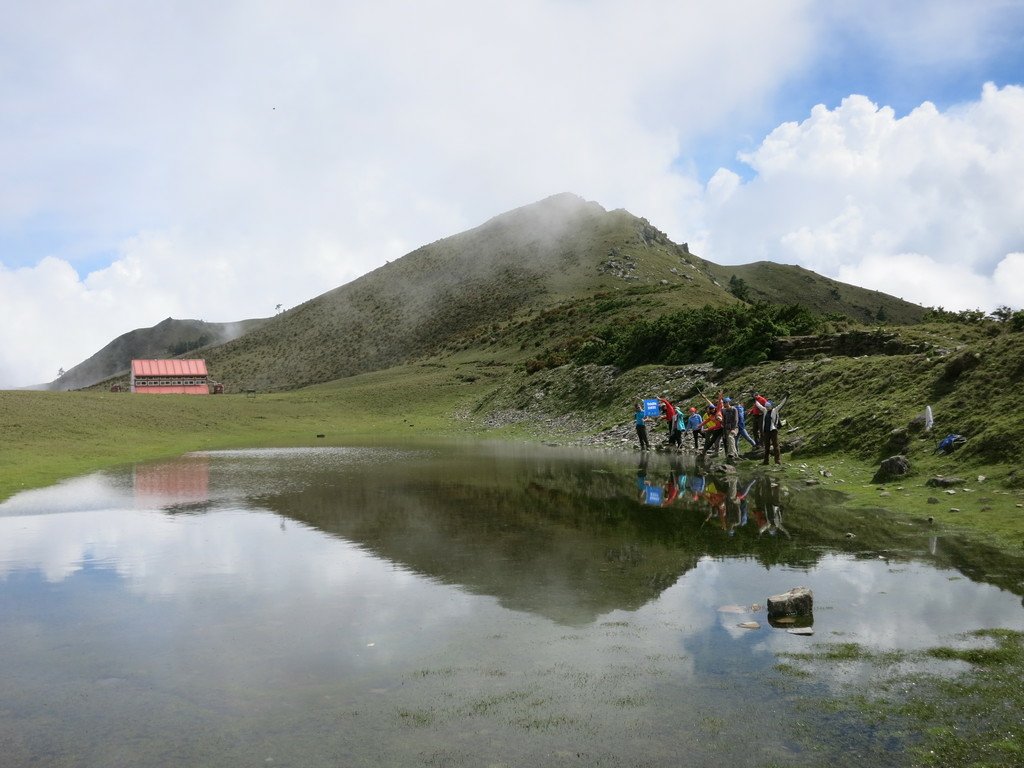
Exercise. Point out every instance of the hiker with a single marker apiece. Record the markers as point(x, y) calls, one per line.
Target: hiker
point(680, 427)
point(730, 426)
point(641, 427)
point(669, 414)
point(712, 429)
point(757, 410)
point(770, 430)
point(741, 431)
point(693, 424)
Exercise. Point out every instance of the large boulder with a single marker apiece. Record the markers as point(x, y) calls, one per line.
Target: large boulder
point(892, 468)
point(799, 601)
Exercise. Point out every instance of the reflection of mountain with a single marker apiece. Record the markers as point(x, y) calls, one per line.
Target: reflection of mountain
point(528, 548)
point(565, 542)
point(567, 537)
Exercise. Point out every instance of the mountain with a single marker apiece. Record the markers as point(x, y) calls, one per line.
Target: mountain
point(536, 279)
point(168, 338)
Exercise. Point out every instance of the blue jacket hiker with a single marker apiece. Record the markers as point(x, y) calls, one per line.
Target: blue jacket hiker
point(641, 427)
point(693, 424)
point(741, 411)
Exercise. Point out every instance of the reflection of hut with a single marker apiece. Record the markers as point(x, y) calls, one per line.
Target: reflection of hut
point(161, 377)
point(184, 481)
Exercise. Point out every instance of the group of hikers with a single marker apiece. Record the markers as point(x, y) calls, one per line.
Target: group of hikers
point(721, 424)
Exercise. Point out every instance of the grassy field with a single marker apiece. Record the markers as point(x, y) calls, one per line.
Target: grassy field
point(52, 435)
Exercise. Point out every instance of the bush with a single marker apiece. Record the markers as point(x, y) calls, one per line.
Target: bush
point(730, 336)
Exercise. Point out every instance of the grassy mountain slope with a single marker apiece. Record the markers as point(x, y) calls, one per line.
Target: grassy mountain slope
point(507, 275)
point(785, 284)
point(167, 338)
point(529, 285)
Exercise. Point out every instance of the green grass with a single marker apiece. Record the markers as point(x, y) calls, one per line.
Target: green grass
point(52, 435)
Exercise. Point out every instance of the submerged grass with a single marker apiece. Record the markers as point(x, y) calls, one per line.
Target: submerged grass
point(950, 718)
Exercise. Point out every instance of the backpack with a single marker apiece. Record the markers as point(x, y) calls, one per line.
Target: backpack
point(950, 443)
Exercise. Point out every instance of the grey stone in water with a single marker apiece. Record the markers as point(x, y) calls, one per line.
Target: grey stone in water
point(800, 631)
point(799, 601)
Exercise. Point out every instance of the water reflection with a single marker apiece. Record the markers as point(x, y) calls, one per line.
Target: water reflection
point(725, 500)
point(370, 606)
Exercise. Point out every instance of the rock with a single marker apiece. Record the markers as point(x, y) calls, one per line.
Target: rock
point(899, 441)
point(892, 468)
point(932, 500)
point(799, 601)
point(749, 625)
point(800, 631)
point(917, 424)
point(954, 509)
point(940, 481)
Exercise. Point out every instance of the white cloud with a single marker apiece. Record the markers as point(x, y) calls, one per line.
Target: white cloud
point(233, 156)
point(926, 207)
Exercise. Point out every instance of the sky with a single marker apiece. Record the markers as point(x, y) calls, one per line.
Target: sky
point(215, 160)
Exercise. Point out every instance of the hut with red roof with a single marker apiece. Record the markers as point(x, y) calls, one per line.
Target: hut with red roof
point(165, 377)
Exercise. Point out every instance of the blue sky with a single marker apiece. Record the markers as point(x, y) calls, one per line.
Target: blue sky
point(214, 160)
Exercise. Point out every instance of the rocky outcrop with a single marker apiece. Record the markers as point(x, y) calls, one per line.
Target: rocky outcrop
point(892, 468)
point(847, 344)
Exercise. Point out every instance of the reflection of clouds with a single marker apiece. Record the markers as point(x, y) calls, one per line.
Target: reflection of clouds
point(870, 602)
point(96, 491)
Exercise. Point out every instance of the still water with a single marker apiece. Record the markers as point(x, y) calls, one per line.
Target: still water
point(454, 605)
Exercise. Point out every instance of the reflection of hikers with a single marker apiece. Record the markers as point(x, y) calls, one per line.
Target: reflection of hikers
point(671, 490)
point(730, 426)
point(641, 473)
point(769, 514)
point(693, 424)
point(641, 427)
point(770, 431)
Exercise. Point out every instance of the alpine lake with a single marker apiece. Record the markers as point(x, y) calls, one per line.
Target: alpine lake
point(467, 604)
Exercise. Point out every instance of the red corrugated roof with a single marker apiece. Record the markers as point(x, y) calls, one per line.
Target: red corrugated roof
point(169, 367)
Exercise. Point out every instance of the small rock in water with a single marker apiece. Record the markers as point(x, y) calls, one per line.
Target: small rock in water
point(749, 625)
point(800, 631)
